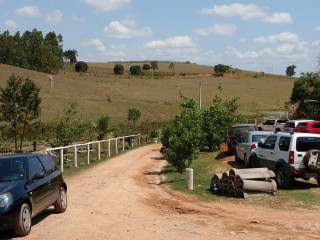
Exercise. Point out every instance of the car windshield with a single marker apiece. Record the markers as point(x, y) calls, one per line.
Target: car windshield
point(259, 138)
point(12, 169)
point(305, 144)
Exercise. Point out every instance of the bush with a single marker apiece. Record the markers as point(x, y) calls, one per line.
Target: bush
point(118, 69)
point(153, 133)
point(146, 67)
point(135, 70)
point(81, 66)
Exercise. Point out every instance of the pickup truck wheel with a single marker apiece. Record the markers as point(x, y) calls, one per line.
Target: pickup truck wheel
point(281, 178)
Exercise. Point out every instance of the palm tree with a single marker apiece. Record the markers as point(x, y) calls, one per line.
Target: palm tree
point(71, 56)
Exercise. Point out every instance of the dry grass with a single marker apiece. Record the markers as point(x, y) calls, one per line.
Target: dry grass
point(157, 99)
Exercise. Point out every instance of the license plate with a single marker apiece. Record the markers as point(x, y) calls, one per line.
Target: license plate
point(311, 175)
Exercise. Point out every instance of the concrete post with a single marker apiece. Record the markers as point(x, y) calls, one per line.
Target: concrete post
point(123, 144)
point(99, 149)
point(116, 141)
point(108, 148)
point(88, 153)
point(61, 159)
point(75, 152)
point(189, 178)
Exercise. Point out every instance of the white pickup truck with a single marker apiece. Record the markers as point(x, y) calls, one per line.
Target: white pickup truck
point(272, 124)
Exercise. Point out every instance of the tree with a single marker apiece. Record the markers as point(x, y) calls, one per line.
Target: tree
point(133, 115)
point(146, 67)
point(154, 65)
point(306, 93)
point(181, 137)
point(135, 70)
point(171, 66)
point(118, 69)
point(290, 70)
point(102, 127)
point(19, 105)
point(71, 56)
point(221, 69)
point(68, 127)
point(81, 66)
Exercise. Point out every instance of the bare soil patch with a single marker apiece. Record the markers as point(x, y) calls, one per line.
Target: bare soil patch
point(125, 198)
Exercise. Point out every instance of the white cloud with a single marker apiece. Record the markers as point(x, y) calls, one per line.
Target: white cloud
point(29, 11)
point(53, 18)
point(118, 30)
point(278, 18)
point(243, 40)
point(245, 12)
point(94, 42)
point(285, 37)
point(11, 24)
point(107, 5)
point(316, 43)
point(77, 19)
point(219, 29)
point(317, 29)
point(174, 42)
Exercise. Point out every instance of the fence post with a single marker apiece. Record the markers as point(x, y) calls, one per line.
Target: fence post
point(108, 148)
point(139, 138)
point(75, 153)
point(88, 153)
point(61, 159)
point(99, 157)
point(123, 144)
point(159, 135)
point(132, 141)
point(116, 141)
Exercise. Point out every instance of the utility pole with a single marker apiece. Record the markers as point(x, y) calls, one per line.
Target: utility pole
point(200, 88)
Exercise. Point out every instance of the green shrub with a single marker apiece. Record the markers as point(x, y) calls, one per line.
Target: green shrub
point(118, 69)
point(81, 66)
point(135, 70)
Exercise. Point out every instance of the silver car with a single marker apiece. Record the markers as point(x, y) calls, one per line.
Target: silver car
point(248, 142)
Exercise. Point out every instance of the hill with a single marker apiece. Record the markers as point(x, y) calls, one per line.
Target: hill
point(100, 92)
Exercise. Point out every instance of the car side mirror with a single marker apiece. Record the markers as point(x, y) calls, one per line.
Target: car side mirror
point(260, 145)
point(39, 175)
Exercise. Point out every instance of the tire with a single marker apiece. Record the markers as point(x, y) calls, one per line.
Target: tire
point(22, 222)
point(282, 180)
point(61, 204)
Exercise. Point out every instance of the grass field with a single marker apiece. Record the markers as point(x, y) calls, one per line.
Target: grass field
point(157, 99)
point(300, 195)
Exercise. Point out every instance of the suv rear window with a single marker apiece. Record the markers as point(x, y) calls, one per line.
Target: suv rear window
point(305, 144)
point(289, 125)
point(302, 125)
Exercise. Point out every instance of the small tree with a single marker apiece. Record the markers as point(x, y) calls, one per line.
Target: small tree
point(146, 67)
point(221, 69)
point(102, 127)
point(81, 66)
point(135, 70)
point(19, 105)
point(154, 65)
point(181, 137)
point(133, 115)
point(171, 66)
point(118, 69)
point(290, 70)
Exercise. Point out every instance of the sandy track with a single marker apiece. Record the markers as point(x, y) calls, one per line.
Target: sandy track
point(123, 198)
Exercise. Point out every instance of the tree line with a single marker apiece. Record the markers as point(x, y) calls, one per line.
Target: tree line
point(32, 50)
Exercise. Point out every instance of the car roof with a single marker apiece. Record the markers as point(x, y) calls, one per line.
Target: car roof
point(26, 155)
point(260, 132)
point(244, 125)
point(296, 134)
point(300, 120)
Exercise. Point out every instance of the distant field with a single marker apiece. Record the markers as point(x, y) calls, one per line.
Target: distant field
point(157, 99)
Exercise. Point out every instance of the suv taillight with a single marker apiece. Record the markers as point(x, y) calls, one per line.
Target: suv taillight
point(253, 146)
point(228, 140)
point(291, 157)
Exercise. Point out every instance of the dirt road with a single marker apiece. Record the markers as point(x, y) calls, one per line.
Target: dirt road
point(123, 198)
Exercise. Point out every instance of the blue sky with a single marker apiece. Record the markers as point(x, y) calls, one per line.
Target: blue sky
point(264, 36)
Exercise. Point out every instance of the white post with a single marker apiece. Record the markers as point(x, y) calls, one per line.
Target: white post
point(75, 153)
point(88, 153)
point(132, 142)
point(159, 135)
point(139, 139)
point(108, 148)
point(99, 157)
point(123, 144)
point(116, 142)
point(61, 159)
point(189, 178)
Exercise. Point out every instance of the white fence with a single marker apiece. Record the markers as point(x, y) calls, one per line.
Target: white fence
point(50, 151)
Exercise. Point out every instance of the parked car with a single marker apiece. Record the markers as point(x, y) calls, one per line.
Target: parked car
point(290, 155)
point(29, 184)
point(236, 132)
point(248, 142)
point(292, 124)
point(272, 124)
point(311, 127)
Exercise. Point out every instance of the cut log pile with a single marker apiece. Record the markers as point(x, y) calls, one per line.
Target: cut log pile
point(245, 183)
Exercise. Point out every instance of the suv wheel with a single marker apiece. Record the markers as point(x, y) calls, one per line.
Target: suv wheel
point(281, 178)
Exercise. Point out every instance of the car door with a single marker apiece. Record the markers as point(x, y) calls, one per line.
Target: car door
point(39, 187)
point(53, 175)
point(266, 154)
point(242, 146)
point(269, 125)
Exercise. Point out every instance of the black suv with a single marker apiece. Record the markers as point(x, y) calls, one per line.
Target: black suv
point(29, 184)
point(236, 132)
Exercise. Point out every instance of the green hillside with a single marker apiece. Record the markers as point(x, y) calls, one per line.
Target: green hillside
point(157, 99)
